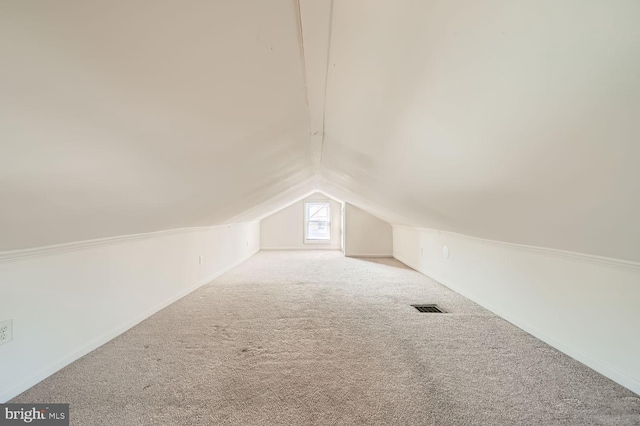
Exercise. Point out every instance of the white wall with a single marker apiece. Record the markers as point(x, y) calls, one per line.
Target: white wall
point(365, 234)
point(66, 301)
point(284, 230)
point(586, 306)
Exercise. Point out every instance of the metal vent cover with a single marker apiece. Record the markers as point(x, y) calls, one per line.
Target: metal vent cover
point(429, 308)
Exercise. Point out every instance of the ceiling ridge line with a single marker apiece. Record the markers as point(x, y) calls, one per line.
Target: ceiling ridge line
point(302, 53)
point(326, 84)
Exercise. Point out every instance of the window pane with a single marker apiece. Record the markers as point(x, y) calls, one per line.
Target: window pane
point(318, 224)
point(318, 212)
point(318, 231)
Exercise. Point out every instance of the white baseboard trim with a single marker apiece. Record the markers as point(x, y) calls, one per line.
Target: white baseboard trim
point(596, 364)
point(37, 377)
point(369, 255)
point(315, 247)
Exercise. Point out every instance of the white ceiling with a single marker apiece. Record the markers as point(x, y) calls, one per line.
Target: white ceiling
point(124, 117)
point(513, 121)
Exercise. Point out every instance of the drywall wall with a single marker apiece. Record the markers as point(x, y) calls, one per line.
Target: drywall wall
point(284, 230)
point(585, 306)
point(365, 234)
point(66, 301)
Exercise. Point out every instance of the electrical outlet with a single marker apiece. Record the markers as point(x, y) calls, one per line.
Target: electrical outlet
point(200, 260)
point(6, 331)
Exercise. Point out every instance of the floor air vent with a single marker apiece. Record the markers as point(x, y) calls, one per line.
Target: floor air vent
point(431, 309)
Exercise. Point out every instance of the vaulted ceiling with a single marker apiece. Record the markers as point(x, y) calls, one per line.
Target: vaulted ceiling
point(513, 121)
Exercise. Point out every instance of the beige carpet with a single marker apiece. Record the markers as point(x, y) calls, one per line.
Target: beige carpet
point(304, 338)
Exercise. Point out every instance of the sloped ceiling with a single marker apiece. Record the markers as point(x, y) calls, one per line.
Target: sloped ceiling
point(122, 117)
point(513, 121)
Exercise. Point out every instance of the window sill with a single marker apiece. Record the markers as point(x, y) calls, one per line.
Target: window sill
point(317, 242)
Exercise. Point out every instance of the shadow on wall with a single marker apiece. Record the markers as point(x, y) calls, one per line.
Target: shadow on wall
point(389, 261)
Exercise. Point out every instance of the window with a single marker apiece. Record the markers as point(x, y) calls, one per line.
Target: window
point(317, 223)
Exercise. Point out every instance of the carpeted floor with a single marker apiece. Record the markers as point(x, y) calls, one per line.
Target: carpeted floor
point(304, 338)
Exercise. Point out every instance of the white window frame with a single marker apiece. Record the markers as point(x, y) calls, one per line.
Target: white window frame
point(306, 222)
